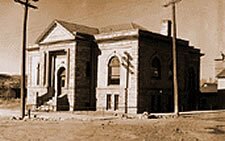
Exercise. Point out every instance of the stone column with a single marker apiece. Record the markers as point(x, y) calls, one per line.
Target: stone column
point(68, 67)
point(47, 70)
point(44, 69)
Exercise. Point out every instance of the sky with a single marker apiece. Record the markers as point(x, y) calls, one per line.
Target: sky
point(202, 22)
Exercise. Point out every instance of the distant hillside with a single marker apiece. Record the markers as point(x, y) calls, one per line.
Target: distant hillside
point(9, 81)
point(9, 86)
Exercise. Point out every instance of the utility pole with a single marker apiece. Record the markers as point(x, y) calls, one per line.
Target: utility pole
point(175, 84)
point(127, 65)
point(26, 5)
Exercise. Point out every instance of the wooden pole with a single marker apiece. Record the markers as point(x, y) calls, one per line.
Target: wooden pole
point(23, 64)
point(127, 83)
point(27, 5)
point(127, 64)
point(175, 84)
point(174, 52)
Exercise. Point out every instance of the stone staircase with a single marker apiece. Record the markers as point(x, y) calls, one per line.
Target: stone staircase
point(46, 101)
point(62, 103)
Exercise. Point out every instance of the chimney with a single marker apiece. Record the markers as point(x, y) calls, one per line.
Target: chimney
point(166, 28)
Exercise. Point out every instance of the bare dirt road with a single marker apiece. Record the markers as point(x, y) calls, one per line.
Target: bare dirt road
point(93, 126)
point(198, 127)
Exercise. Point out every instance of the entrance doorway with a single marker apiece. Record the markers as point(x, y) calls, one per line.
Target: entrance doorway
point(60, 80)
point(62, 99)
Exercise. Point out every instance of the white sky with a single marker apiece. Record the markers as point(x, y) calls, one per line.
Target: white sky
point(200, 21)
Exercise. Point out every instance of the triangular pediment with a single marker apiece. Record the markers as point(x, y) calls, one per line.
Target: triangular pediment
point(55, 32)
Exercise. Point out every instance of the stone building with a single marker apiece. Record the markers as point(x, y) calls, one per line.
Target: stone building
point(59, 72)
point(122, 68)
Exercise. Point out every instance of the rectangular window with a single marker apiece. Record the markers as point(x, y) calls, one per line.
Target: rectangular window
point(108, 102)
point(116, 102)
point(37, 95)
point(38, 74)
point(115, 75)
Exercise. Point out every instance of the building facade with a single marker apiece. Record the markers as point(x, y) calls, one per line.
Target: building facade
point(121, 68)
point(59, 72)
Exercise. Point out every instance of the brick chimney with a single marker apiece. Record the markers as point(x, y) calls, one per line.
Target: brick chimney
point(166, 28)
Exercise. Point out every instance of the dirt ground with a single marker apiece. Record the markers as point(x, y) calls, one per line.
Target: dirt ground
point(195, 127)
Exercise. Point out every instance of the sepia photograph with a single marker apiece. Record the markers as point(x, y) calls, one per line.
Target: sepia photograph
point(112, 70)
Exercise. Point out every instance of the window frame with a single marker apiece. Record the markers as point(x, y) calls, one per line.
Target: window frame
point(113, 79)
point(38, 74)
point(108, 102)
point(116, 102)
point(156, 68)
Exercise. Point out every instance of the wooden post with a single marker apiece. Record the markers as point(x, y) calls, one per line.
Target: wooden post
point(175, 84)
point(23, 64)
point(127, 65)
point(127, 83)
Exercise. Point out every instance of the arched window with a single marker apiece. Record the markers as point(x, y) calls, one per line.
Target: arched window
point(114, 71)
point(156, 68)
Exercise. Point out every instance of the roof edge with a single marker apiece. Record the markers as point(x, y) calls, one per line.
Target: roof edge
point(45, 32)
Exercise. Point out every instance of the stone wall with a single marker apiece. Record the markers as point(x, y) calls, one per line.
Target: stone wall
point(157, 92)
point(34, 90)
point(85, 71)
point(118, 49)
point(86, 63)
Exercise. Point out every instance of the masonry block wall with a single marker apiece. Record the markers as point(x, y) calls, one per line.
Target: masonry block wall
point(118, 69)
point(108, 51)
point(85, 79)
point(32, 89)
point(46, 83)
point(62, 72)
point(110, 48)
point(155, 92)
